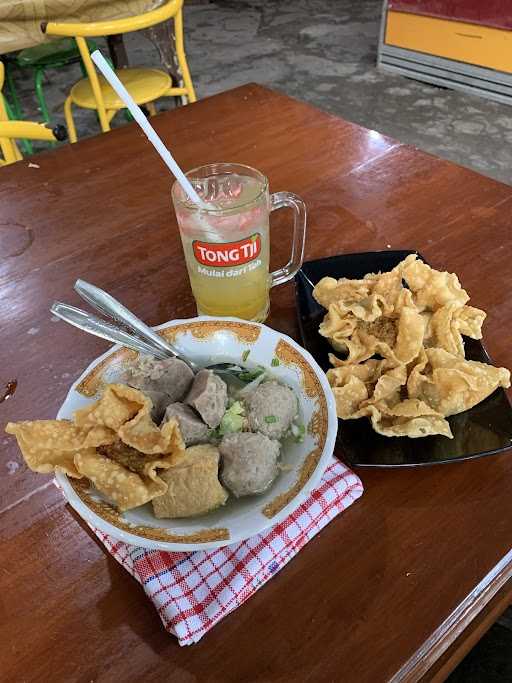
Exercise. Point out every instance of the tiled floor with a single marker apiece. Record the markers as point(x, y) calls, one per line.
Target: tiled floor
point(324, 51)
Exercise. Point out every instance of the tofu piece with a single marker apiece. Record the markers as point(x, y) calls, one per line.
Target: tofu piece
point(209, 396)
point(193, 485)
point(193, 429)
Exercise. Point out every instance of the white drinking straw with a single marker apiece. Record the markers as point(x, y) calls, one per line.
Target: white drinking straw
point(143, 122)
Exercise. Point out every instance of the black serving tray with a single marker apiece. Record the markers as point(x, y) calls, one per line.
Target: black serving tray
point(484, 430)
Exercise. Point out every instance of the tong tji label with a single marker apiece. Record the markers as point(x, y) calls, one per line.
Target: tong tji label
point(221, 255)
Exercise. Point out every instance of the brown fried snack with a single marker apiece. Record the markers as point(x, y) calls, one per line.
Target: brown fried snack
point(402, 336)
point(113, 442)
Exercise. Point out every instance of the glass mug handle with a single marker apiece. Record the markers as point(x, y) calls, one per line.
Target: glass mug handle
point(279, 200)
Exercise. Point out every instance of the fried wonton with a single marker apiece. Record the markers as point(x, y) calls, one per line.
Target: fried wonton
point(445, 327)
point(51, 445)
point(353, 384)
point(329, 291)
point(383, 287)
point(431, 288)
point(398, 340)
point(92, 445)
point(450, 384)
point(375, 390)
point(128, 489)
point(410, 417)
point(401, 336)
point(193, 486)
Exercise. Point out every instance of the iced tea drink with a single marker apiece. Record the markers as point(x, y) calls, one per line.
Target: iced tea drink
point(227, 244)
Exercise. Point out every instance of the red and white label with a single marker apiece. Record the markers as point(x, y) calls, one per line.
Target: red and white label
point(227, 253)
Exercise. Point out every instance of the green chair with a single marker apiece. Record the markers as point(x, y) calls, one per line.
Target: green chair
point(53, 55)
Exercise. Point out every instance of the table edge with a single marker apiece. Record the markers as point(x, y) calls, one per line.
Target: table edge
point(446, 634)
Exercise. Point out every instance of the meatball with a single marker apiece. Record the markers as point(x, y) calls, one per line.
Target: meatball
point(160, 402)
point(171, 376)
point(193, 429)
point(209, 396)
point(249, 462)
point(271, 409)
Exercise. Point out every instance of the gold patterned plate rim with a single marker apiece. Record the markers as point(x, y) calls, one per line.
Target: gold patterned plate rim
point(322, 428)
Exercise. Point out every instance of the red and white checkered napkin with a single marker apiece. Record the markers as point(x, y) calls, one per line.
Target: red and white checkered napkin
point(193, 591)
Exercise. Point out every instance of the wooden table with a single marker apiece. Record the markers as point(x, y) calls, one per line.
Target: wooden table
point(387, 587)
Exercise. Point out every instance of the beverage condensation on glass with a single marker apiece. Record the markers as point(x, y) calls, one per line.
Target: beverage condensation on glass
point(227, 244)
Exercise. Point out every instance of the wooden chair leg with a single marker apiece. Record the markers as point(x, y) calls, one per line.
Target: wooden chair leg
point(70, 123)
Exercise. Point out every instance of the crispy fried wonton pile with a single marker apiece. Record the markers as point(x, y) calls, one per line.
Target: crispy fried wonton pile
point(401, 337)
point(113, 442)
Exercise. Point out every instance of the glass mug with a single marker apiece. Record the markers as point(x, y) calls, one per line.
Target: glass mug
point(227, 244)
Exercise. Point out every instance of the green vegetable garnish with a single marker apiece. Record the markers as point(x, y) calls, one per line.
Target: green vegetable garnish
point(275, 362)
point(245, 355)
point(237, 408)
point(299, 432)
point(233, 419)
point(248, 375)
point(214, 433)
point(270, 419)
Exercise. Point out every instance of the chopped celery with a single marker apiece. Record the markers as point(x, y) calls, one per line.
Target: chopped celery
point(233, 419)
point(248, 374)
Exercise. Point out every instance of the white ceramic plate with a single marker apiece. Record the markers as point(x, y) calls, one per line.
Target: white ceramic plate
point(212, 340)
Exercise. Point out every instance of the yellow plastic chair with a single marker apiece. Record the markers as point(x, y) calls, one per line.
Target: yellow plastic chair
point(10, 131)
point(144, 85)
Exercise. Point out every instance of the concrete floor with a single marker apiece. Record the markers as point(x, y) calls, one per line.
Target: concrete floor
point(324, 52)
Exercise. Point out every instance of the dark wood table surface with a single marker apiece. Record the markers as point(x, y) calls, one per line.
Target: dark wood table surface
point(389, 585)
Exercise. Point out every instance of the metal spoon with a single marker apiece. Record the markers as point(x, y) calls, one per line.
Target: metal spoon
point(114, 309)
point(145, 340)
point(101, 328)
